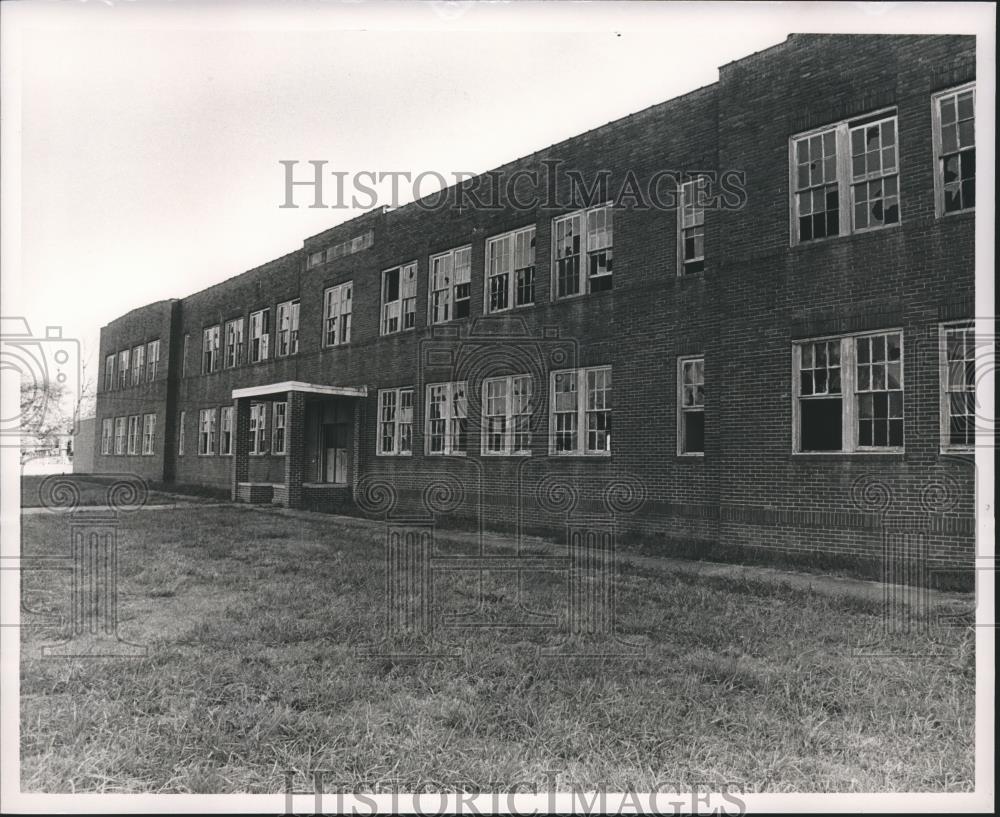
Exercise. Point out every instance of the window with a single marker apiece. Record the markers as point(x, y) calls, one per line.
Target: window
point(280, 411)
point(450, 273)
point(395, 429)
point(260, 333)
point(958, 387)
point(258, 428)
point(399, 298)
point(152, 359)
point(569, 414)
point(234, 343)
point(133, 434)
point(507, 415)
point(206, 431)
point(184, 355)
point(337, 314)
point(138, 364)
point(119, 435)
point(288, 328)
point(845, 178)
point(849, 393)
point(582, 251)
point(148, 432)
point(691, 406)
point(109, 372)
point(691, 228)
point(954, 115)
point(210, 350)
point(510, 270)
point(107, 435)
point(226, 431)
point(447, 423)
point(123, 358)
point(180, 434)
point(315, 259)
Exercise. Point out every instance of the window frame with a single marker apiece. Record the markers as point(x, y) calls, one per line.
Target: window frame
point(683, 410)
point(849, 431)
point(148, 435)
point(109, 371)
point(287, 346)
point(583, 273)
point(211, 349)
point(396, 436)
point(449, 448)
point(124, 368)
point(699, 184)
point(510, 430)
point(944, 392)
point(132, 448)
point(207, 435)
point(451, 256)
point(279, 409)
point(512, 288)
point(120, 436)
point(107, 436)
point(335, 296)
point(938, 148)
point(152, 359)
point(258, 430)
point(384, 305)
point(138, 364)
point(581, 410)
point(180, 433)
point(226, 431)
point(233, 342)
point(263, 353)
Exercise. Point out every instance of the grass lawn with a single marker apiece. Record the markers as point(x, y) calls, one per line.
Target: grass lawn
point(252, 619)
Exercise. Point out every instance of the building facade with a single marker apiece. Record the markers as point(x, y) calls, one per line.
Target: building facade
point(738, 319)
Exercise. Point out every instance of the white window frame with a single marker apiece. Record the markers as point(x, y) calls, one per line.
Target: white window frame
point(844, 179)
point(233, 351)
point(591, 243)
point(184, 354)
point(454, 410)
point(258, 429)
point(123, 368)
point(337, 308)
point(404, 305)
point(133, 435)
point(510, 417)
point(152, 359)
point(210, 351)
point(260, 334)
point(455, 267)
point(582, 410)
point(937, 141)
point(691, 221)
point(504, 253)
point(682, 403)
point(226, 431)
point(849, 393)
point(945, 390)
point(207, 426)
point(120, 435)
point(280, 418)
point(107, 435)
point(397, 424)
point(109, 372)
point(288, 328)
point(148, 433)
point(138, 363)
point(180, 433)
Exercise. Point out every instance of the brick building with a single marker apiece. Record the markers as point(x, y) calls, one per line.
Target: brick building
point(764, 288)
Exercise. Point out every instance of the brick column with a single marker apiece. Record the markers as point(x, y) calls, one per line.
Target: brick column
point(241, 445)
point(295, 447)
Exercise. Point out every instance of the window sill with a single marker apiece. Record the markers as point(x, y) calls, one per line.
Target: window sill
point(695, 456)
point(504, 454)
point(859, 456)
point(958, 452)
point(818, 242)
point(581, 455)
point(969, 212)
point(394, 455)
point(515, 308)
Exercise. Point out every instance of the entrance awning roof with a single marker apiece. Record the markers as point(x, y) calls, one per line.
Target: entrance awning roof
point(298, 385)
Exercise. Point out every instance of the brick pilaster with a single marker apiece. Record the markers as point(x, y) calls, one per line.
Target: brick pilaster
point(241, 444)
point(295, 447)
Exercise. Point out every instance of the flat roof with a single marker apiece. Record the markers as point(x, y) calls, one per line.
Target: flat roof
point(298, 385)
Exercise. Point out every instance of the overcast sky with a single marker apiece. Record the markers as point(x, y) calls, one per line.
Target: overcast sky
point(151, 135)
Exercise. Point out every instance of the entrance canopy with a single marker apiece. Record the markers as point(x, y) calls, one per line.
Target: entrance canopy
point(299, 386)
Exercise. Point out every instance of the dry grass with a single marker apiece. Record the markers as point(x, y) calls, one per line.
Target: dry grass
point(252, 620)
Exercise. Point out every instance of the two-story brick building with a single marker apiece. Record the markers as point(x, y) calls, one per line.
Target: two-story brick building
point(763, 288)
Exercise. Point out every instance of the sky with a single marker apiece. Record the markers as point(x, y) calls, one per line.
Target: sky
point(150, 134)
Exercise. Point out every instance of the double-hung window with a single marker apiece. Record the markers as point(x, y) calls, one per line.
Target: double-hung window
point(507, 407)
point(280, 414)
point(210, 350)
point(288, 328)
point(181, 422)
point(133, 434)
point(845, 178)
point(958, 387)
point(582, 251)
point(138, 363)
point(691, 228)
point(849, 393)
point(258, 428)
point(510, 270)
point(691, 406)
point(234, 342)
point(260, 334)
point(337, 314)
point(954, 116)
point(580, 411)
point(446, 431)
point(399, 298)
point(450, 275)
point(206, 431)
point(226, 431)
point(107, 436)
point(119, 435)
point(123, 369)
point(395, 422)
point(109, 372)
point(148, 432)
point(152, 359)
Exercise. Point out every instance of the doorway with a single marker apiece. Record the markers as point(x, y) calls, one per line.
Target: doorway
point(336, 448)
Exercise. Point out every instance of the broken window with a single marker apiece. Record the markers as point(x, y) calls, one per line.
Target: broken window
point(109, 372)
point(954, 114)
point(280, 412)
point(691, 226)
point(258, 428)
point(691, 405)
point(447, 413)
point(206, 431)
point(569, 413)
point(288, 328)
point(107, 436)
point(226, 431)
point(450, 276)
point(395, 411)
point(210, 350)
point(507, 415)
point(958, 387)
point(148, 432)
point(260, 335)
point(133, 434)
point(583, 251)
point(138, 363)
point(337, 314)
point(119, 435)
point(234, 342)
point(874, 174)
point(152, 359)
point(399, 298)
point(123, 358)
